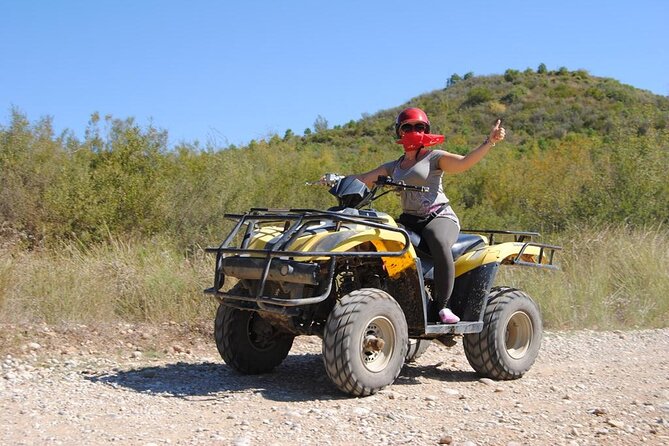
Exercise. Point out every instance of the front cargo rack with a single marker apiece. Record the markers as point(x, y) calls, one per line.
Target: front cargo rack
point(277, 260)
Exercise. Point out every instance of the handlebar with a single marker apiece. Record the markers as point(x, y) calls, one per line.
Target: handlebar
point(351, 192)
point(388, 181)
point(331, 179)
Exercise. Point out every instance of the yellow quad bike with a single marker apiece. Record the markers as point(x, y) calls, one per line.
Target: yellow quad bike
point(353, 277)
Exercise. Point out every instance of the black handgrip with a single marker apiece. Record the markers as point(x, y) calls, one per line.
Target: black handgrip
point(383, 180)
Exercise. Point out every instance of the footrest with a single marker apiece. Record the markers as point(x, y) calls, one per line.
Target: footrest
point(459, 328)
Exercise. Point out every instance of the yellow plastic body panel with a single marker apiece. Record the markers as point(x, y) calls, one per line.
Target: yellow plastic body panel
point(346, 239)
point(264, 235)
point(500, 253)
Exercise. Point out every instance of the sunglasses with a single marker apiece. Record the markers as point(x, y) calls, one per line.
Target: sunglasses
point(417, 127)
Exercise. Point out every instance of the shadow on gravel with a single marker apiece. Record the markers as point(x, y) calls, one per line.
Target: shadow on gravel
point(412, 372)
point(298, 378)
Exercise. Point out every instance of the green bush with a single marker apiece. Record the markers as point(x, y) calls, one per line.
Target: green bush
point(478, 95)
point(579, 150)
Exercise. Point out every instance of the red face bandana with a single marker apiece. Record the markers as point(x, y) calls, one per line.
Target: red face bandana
point(415, 140)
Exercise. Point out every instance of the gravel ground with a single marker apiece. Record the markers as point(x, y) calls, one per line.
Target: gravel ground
point(166, 384)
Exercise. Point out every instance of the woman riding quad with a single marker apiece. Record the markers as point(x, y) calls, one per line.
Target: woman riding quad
point(429, 213)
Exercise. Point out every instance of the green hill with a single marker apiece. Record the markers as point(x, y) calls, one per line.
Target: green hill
point(121, 216)
point(580, 150)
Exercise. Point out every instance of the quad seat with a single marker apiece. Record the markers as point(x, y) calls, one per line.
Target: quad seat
point(464, 244)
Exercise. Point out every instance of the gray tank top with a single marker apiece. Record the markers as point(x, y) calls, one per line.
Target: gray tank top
point(425, 172)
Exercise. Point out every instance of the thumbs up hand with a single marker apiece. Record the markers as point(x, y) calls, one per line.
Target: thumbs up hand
point(497, 133)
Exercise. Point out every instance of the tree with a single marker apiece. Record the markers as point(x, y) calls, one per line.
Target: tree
point(511, 75)
point(581, 74)
point(320, 124)
point(542, 69)
point(454, 79)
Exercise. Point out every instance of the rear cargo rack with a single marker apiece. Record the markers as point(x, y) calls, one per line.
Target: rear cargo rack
point(544, 250)
point(295, 223)
point(518, 236)
point(525, 237)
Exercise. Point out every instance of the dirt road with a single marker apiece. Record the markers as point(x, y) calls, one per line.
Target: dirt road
point(157, 385)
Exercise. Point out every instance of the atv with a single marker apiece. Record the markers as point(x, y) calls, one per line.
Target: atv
point(363, 284)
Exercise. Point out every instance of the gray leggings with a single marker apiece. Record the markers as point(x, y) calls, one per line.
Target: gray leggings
point(440, 233)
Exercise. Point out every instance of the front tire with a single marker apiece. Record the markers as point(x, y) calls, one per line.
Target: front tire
point(365, 342)
point(511, 337)
point(247, 342)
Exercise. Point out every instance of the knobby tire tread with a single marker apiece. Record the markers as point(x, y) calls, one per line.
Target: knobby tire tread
point(228, 342)
point(336, 354)
point(478, 351)
point(225, 341)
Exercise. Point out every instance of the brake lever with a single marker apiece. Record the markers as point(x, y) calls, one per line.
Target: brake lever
point(329, 179)
point(384, 180)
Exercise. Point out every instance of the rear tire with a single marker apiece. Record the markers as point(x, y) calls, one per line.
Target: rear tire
point(247, 342)
point(365, 342)
point(511, 337)
point(416, 349)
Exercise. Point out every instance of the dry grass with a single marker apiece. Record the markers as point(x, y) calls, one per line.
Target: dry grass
point(120, 280)
point(610, 278)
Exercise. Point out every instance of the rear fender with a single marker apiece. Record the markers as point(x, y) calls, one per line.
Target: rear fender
point(502, 253)
point(470, 291)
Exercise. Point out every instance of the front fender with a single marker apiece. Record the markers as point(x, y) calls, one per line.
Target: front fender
point(358, 238)
point(350, 240)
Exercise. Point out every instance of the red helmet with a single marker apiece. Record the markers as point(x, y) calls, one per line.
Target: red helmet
point(411, 115)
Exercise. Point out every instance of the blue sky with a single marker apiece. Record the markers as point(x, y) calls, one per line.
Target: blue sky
point(224, 72)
